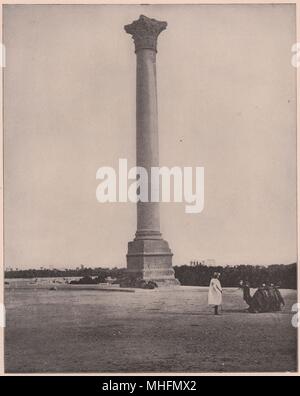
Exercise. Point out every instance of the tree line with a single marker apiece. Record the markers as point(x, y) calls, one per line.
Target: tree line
point(285, 276)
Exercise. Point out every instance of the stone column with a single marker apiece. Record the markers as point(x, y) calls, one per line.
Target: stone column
point(149, 256)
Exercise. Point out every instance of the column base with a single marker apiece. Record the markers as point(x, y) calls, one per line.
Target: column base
point(151, 260)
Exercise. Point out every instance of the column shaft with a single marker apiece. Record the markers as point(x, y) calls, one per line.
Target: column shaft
point(147, 152)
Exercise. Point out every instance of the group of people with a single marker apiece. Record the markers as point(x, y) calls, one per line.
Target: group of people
point(267, 298)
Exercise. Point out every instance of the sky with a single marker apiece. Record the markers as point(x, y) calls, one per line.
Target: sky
point(226, 102)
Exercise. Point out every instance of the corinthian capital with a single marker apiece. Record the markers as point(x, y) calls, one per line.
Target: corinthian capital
point(145, 31)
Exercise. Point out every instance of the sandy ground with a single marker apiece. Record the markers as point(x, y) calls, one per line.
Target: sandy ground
point(146, 331)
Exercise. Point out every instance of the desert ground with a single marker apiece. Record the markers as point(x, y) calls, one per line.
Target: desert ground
point(161, 330)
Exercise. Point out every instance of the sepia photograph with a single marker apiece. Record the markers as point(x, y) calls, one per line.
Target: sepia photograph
point(149, 188)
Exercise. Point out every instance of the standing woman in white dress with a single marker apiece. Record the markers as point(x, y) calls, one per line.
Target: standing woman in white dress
point(215, 292)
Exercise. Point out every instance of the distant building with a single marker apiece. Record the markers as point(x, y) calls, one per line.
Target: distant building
point(207, 262)
point(210, 262)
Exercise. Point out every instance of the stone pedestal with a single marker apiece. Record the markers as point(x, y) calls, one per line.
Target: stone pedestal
point(151, 260)
point(149, 256)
